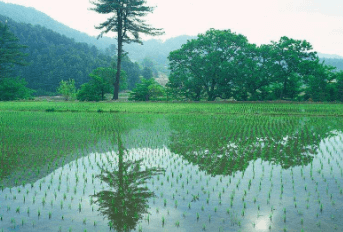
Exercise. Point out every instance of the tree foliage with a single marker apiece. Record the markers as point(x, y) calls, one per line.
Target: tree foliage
point(54, 57)
point(147, 73)
point(14, 89)
point(101, 83)
point(11, 56)
point(10, 51)
point(205, 64)
point(223, 64)
point(147, 90)
point(67, 89)
point(127, 21)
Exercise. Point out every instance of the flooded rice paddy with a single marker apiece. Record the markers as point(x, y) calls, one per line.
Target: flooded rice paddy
point(170, 173)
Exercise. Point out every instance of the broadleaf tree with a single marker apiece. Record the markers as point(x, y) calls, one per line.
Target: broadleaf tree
point(291, 60)
point(128, 23)
point(203, 65)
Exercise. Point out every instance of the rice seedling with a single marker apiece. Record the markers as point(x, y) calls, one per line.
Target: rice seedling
point(182, 169)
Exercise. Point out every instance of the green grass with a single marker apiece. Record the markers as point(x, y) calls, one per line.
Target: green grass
point(179, 108)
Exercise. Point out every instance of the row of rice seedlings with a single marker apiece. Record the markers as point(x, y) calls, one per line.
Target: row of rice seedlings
point(199, 194)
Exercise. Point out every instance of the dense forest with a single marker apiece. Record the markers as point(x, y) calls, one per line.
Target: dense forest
point(22, 14)
point(156, 50)
point(53, 57)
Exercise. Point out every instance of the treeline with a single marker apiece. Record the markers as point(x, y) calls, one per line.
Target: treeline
point(222, 64)
point(52, 57)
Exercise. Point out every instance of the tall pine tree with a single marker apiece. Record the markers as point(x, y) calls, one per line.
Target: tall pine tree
point(127, 21)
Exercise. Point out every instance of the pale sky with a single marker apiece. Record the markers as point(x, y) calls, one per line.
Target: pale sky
point(320, 22)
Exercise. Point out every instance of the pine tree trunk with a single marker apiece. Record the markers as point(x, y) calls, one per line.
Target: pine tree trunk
point(120, 51)
point(116, 82)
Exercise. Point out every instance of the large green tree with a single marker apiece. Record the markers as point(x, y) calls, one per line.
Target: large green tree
point(292, 59)
point(254, 74)
point(127, 22)
point(205, 65)
point(320, 84)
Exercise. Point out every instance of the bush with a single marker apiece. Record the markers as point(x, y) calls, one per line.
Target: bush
point(147, 90)
point(100, 84)
point(67, 89)
point(88, 92)
point(14, 89)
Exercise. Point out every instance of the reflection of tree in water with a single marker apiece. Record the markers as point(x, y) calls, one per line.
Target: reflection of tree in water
point(223, 145)
point(127, 200)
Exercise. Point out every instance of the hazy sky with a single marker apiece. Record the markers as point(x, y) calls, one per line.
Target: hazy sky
point(320, 22)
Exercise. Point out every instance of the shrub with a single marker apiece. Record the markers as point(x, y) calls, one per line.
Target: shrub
point(67, 89)
point(14, 89)
point(147, 90)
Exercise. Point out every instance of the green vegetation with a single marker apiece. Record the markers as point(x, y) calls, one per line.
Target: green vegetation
point(174, 171)
point(173, 164)
point(147, 90)
point(230, 108)
point(296, 75)
point(67, 89)
point(128, 23)
point(222, 64)
point(14, 89)
point(11, 51)
point(53, 58)
point(10, 55)
point(100, 84)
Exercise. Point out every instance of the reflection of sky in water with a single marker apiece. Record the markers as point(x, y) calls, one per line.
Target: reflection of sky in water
point(262, 224)
point(189, 192)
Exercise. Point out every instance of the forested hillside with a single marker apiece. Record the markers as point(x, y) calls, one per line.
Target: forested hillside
point(54, 57)
point(32, 16)
point(338, 63)
point(156, 50)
